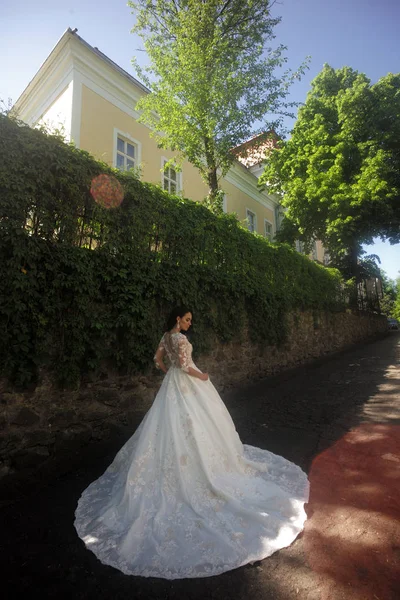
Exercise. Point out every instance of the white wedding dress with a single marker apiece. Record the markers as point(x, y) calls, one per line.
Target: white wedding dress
point(184, 497)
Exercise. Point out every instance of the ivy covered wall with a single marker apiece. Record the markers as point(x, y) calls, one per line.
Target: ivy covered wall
point(86, 283)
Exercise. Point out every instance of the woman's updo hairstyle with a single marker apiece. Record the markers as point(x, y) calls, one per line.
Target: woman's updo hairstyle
point(179, 311)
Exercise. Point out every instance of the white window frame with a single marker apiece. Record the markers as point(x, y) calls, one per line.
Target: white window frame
point(131, 140)
point(178, 181)
point(270, 234)
point(251, 212)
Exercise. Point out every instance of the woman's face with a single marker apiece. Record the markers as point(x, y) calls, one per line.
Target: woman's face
point(185, 321)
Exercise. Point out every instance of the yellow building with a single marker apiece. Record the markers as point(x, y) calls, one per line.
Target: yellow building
point(83, 92)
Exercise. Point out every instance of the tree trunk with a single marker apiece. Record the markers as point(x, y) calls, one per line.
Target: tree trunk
point(214, 198)
point(212, 183)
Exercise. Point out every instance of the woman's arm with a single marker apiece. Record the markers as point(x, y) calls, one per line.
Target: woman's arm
point(158, 359)
point(184, 360)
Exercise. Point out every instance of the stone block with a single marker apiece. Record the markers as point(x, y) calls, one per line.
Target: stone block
point(38, 437)
point(72, 438)
point(110, 397)
point(62, 419)
point(10, 441)
point(85, 396)
point(94, 412)
point(24, 417)
point(11, 398)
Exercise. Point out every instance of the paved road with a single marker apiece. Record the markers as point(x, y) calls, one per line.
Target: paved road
point(338, 418)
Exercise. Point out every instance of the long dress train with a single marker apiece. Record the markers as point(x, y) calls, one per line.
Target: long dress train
point(184, 497)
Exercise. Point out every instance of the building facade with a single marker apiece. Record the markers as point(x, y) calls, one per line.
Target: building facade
point(81, 91)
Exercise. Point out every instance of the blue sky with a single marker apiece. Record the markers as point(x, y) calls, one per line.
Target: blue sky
point(363, 34)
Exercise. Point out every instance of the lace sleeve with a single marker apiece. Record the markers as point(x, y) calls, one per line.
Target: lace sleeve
point(159, 352)
point(184, 355)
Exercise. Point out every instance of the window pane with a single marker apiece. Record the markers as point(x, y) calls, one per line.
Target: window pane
point(130, 150)
point(120, 162)
point(172, 174)
point(166, 182)
point(251, 218)
point(120, 145)
point(129, 164)
point(173, 188)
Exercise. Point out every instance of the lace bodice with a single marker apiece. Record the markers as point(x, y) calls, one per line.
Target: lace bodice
point(178, 349)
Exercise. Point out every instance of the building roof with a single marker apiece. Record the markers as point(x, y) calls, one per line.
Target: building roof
point(252, 152)
point(104, 57)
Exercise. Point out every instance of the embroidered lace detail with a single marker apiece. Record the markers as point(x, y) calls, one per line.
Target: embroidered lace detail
point(178, 349)
point(184, 352)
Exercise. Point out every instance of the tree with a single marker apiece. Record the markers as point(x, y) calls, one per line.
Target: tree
point(339, 174)
point(5, 106)
point(390, 291)
point(395, 309)
point(211, 77)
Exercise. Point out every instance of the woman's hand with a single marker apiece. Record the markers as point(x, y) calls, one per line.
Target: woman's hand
point(198, 374)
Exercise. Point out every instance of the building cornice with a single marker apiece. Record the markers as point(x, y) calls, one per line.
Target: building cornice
point(245, 181)
point(53, 76)
point(106, 84)
point(104, 58)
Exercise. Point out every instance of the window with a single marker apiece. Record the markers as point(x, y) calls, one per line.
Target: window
point(251, 220)
point(300, 246)
point(126, 154)
point(224, 204)
point(268, 230)
point(127, 151)
point(171, 179)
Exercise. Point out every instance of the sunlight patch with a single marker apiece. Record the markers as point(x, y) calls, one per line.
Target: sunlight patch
point(89, 539)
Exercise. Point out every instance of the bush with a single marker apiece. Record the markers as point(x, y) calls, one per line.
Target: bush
point(81, 285)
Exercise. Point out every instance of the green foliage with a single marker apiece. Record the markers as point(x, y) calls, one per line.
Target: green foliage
point(5, 106)
point(84, 288)
point(392, 298)
point(340, 171)
point(390, 290)
point(211, 77)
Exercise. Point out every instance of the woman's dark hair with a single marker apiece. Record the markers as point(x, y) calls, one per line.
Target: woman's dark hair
point(179, 311)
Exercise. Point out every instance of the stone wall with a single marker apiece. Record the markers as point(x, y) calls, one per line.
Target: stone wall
point(44, 430)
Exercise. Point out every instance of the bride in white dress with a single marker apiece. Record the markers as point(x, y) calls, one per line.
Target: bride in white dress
point(184, 497)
